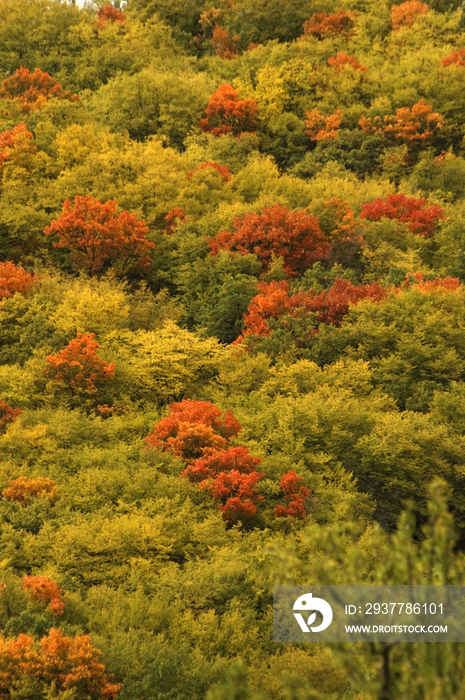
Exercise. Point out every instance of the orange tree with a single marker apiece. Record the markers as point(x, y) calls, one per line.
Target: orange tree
point(99, 239)
point(227, 114)
point(32, 91)
point(14, 279)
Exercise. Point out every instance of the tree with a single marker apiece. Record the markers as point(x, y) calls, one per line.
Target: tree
point(192, 429)
point(320, 127)
point(24, 489)
point(413, 126)
point(455, 58)
point(422, 219)
point(223, 44)
point(293, 235)
point(78, 367)
point(227, 114)
point(99, 239)
point(223, 170)
point(322, 25)
point(109, 13)
point(343, 59)
point(7, 414)
point(237, 494)
point(404, 15)
point(294, 496)
point(14, 279)
point(15, 144)
point(231, 458)
point(44, 589)
point(32, 90)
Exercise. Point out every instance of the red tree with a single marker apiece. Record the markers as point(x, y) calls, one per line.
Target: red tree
point(227, 114)
point(44, 589)
point(14, 279)
point(98, 238)
point(78, 366)
point(232, 458)
point(293, 235)
point(415, 126)
point(64, 663)
point(7, 414)
point(223, 170)
point(343, 59)
point(15, 143)
point(294, 495)
point(321, 25)
point(23, 490)
point(421, 218)
point(237, 494)
point(111, 14)
point(404, 15)
point(32, 90)
point(192, 429)
point(456, 58)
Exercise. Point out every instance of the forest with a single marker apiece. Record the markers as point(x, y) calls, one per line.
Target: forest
point(232, 340)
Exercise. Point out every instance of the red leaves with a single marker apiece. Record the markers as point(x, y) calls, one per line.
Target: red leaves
point(15, 142)
point(192, 428)
point(175, 216)
point(44, 589)
point(67, 663)
point(32, 90)
point(293, 235)
point(416, 125)
point(23, 490)
point(456, 58)
point(227, 114)
point(237, 494)
point(98, 238)
point(223, 170)
point(237, 458)
point(321, 25)
point(404, 15)
point(294, 495)
point(422, 219)
point(14, 279)
point(7, 414)
point(343, 59)
point(450, 284)
point(111, 14)
point(274, 302)
point(321, 128)
point(78, 365)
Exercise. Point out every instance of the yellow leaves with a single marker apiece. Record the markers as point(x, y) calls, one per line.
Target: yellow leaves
point(77, 142)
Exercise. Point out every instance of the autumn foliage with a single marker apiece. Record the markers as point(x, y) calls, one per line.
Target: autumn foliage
point(237, 458)
point(293, 235)
point(343, 59)
point(322, 25)
point(111, 14)
point(43, 589)
point(223, 44)
point(416, 280)
point(294, 495)
point(192, 429)
point(7, 414)
point(24, 489)
point(321, 128)
point(416, 125)
point(404, 15)
point(14, 279)
point(227, 114)
point(223, 170)
point(237, 494)
point(32, 90)
point(98, 238)
point(421, 218)
point(15, 143)
point(78, 366)
point(66, 663)
point(456, 58)
point(175, 216)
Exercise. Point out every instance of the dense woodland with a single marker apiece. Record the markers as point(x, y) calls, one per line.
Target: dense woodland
point(232, 340)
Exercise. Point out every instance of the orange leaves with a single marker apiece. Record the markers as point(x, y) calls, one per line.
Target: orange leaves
point(416, 125)
point(7, 414)
point(23, 490)
point(32, 90)
point(14, 279)
point(320, 127)
point(223, 44)
point(223, 170)
point(44, 589)
point(448, 284)
point(98, 238)
point(343, 59)
point(111, 14)
point(227, 114)
point(67, 663)
point(456, 58)
point(422, 219)
point(15, 143)
point(294, 495)
point(404, 15)
point(78, 366)
point(321, 25)
point(293, 235)
point(237, 494)
point(213, 463)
